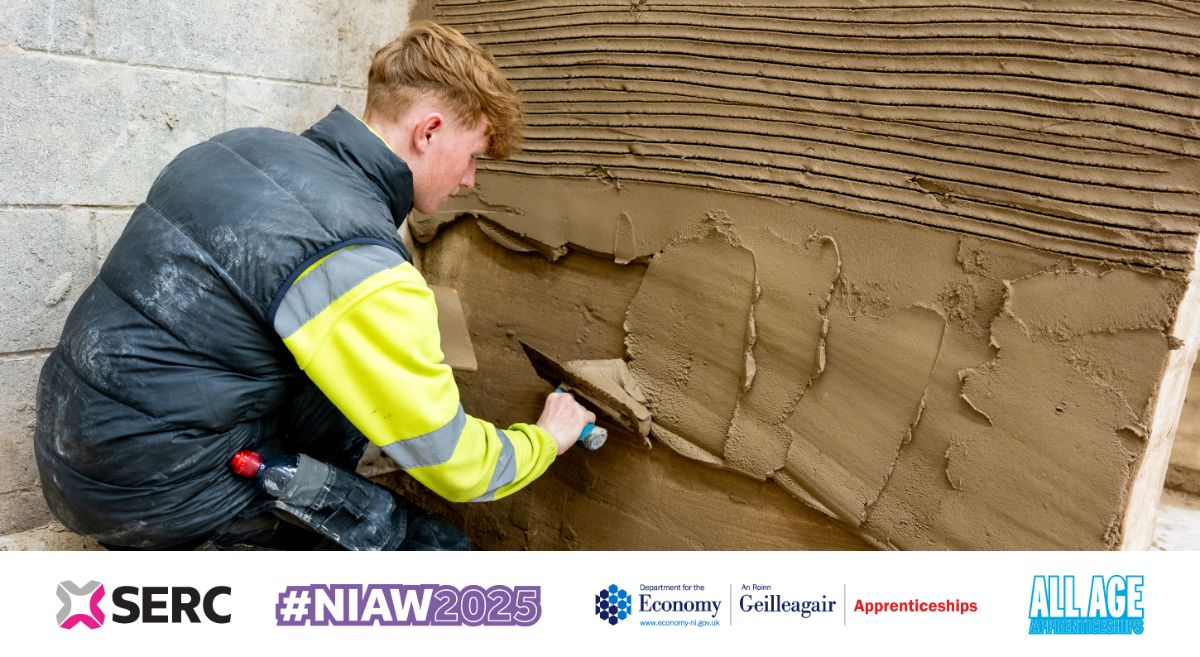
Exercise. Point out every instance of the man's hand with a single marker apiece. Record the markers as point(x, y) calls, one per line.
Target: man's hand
point(565, 419)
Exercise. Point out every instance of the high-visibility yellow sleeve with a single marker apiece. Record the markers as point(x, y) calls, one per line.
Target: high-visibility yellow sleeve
point(362, 325)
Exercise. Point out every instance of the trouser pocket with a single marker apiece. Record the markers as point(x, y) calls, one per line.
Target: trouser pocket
point(343, 507)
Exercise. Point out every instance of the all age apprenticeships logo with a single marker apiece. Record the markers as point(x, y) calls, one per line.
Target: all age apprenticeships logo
point(89, 613)
point(1104, 605)
point(613, 604)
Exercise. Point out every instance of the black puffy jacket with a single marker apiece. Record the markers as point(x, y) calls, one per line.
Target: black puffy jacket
point(168, 364)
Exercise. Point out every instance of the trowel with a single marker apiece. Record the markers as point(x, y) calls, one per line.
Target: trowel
point(604, 386)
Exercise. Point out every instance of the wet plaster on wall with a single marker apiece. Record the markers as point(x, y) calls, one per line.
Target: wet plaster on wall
point(687, 332)
point(1040, 451)
point(623, 496)
point(1074, 421)
point(851, 424)
point(789, 347)
point(929, 292)
point(867, 398)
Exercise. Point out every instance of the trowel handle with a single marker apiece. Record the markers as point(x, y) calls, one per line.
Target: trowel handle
point(592, 436)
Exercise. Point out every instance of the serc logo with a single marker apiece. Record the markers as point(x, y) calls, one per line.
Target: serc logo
point(613, 604)
point(93, 592)
point(138, 604)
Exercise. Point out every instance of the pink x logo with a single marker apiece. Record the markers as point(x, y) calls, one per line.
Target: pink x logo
point(69, 592)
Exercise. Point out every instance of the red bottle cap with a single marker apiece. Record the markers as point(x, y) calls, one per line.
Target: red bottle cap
point(245, 463)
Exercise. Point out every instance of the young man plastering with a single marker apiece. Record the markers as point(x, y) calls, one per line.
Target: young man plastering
point(262, 299)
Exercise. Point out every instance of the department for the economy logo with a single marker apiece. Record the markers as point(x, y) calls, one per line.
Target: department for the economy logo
point(613, 604)
point(1103, 604)
point(661, 604)
point(80, 605)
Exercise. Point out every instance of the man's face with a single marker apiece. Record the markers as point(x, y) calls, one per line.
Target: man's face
point(450, 163)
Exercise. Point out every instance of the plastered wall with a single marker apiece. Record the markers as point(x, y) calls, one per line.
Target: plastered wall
point(930, 269)
point(98, 95)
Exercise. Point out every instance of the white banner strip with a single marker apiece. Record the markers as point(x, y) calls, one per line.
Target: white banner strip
point(707, 603)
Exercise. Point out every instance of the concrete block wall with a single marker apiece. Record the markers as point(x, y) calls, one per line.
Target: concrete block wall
point(96, 96)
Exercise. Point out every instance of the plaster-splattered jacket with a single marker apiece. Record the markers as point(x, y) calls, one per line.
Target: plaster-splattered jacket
point(259, 258)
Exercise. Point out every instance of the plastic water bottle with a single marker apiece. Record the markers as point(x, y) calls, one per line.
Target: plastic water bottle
point(344, 507)
point(272, 474)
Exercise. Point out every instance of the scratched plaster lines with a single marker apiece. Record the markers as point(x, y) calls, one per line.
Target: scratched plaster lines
point(1051, 80)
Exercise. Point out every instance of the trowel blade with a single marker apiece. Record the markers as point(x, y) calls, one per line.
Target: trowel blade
point(600, 401)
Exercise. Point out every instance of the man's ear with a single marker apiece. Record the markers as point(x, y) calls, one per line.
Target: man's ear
point(424, 131)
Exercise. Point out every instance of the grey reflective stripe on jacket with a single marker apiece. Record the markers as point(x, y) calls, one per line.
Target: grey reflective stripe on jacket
point(437, 446)
point(506, 469)
point(337, 275)
point(433, 448)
